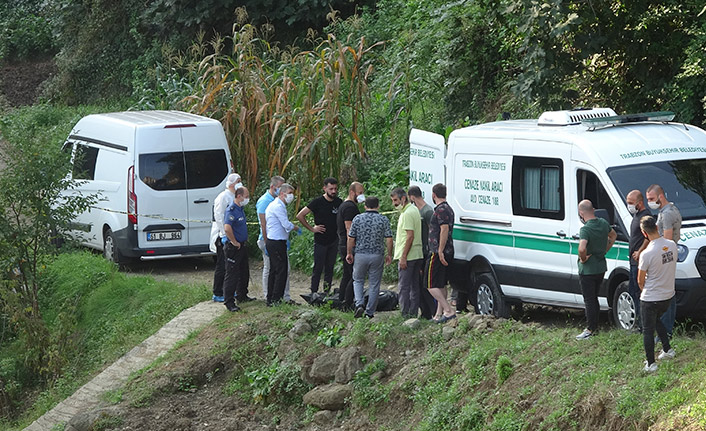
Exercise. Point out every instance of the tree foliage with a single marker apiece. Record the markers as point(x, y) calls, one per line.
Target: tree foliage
point(32, 214)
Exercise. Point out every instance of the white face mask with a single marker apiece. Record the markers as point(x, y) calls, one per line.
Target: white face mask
point(244, 202)
point(653, 205)
point(360, 198)
point(289, 198)
point(631, 209)
point(238, 185)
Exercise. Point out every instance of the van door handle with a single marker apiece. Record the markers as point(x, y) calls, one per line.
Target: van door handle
point(575, 236)
point(201, 201)
point(561, 233)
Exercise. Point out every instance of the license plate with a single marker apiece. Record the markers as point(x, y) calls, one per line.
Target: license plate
point(162, 236)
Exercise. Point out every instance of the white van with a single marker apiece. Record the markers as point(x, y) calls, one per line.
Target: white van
point(515, 187)
point(156, 174)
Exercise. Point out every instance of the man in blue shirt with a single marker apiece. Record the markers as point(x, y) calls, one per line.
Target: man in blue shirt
point(278, 228)
point(237, 276)
point(262, 204)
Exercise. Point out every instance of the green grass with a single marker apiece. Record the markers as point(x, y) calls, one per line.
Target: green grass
point(106, 313)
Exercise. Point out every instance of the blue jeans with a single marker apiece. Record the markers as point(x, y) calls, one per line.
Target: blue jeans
point(369, 265)
point(634, 291)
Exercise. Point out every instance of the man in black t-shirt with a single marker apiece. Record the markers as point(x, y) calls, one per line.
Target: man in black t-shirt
point(346, 212)
point(636, 207)
point(325, 209)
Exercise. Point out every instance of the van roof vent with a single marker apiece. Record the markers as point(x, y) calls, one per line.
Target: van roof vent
point(575, 116)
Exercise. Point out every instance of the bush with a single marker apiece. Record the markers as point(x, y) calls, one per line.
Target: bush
point(503, 368)
point(25, 30)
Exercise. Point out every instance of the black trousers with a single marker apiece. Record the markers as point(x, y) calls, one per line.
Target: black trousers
point(237, 278)
point(324, 260)
point(590, 284)
point(345, 290)
point(427, 303)
point(651, 312)
point(220, 272)
point(277, 249)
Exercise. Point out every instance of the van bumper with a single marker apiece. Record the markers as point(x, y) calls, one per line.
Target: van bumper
point(126, 240)
point(691, 297)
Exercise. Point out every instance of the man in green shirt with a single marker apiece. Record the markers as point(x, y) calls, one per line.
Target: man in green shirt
point(408, 251)
point(595, 239)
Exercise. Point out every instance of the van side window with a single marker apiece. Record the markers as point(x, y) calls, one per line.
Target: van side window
point(163, 171)
point(590, 187)
point(84, 165)
point(205, 169)
point(538, 187)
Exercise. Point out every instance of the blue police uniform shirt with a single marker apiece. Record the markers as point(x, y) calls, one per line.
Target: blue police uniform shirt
point(235, 217)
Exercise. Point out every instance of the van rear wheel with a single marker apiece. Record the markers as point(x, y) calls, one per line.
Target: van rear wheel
point(624, 308)
point(489, 299)
point(110, 247)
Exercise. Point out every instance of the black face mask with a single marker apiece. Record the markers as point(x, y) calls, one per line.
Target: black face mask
point(582, 220)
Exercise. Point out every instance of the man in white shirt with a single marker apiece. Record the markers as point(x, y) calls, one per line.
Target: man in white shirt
point(655, 276)
point(220, 204)
point(278, 228)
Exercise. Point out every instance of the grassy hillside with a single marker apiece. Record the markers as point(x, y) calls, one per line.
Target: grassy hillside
point(100, 314)
point(244, 372)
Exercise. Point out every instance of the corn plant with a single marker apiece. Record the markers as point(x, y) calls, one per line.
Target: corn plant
point(284, 111)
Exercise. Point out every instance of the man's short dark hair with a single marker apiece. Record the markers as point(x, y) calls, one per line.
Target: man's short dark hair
point(330, 180)
point(439, 190)
point(656, 188)
point(415, 191)
point(648, 224)
point(371, 202)
point(240, 191)
point(399, 192)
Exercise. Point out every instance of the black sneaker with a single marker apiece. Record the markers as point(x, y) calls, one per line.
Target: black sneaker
point(246, 299)
point(369, 316)
point(359, 312)
point(233, 308)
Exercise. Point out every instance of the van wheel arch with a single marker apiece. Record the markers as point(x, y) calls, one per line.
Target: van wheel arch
point(485, 284)
point(615, 288)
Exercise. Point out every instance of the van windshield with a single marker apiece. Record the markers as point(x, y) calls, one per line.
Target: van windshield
point(683, 181)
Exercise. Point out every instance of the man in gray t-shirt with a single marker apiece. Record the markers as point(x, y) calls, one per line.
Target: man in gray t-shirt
point(669, 226)
point(655, 276)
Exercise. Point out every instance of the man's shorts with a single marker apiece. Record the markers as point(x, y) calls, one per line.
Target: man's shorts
point(436, 275)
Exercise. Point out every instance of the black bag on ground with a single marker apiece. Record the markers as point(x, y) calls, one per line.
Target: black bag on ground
point(387, 300)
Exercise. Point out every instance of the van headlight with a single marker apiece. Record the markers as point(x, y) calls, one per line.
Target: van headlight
point(682, 252)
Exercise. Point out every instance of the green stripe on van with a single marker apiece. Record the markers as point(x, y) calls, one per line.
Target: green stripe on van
point(530, 241)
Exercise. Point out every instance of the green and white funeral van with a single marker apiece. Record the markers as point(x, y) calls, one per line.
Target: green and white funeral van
point(515, 186)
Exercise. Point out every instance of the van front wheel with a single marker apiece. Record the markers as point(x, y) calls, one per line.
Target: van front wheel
point(110, 248)
point(624, 308)
point(489, 300)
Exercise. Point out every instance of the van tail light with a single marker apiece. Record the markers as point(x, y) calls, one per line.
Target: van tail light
point(131, 196)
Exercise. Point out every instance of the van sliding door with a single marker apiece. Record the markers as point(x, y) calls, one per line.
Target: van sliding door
point(541, 223)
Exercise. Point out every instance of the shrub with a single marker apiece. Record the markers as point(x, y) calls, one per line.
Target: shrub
point(503, 368)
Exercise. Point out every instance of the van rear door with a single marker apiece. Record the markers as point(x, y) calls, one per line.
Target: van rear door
point(206, 159)
point(160, 188)
point(427, 153)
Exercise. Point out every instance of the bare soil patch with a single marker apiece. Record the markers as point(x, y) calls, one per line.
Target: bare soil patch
point(21, 82)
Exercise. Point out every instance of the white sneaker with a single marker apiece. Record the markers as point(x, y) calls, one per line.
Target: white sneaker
point(650, 368)
point(584, 335)
point(667, 355)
